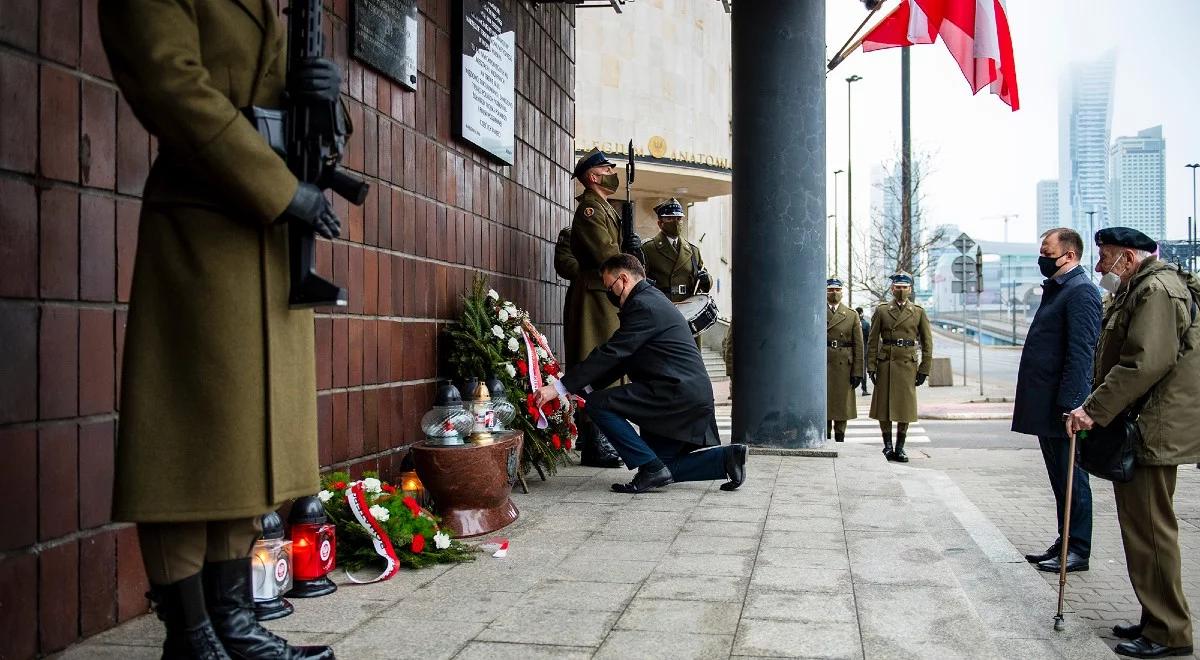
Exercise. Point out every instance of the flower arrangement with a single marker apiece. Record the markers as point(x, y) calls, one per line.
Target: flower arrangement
point(413, 531)
point(495, 337)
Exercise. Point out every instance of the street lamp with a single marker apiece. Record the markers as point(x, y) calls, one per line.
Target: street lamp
point(835, 213)
point(1091, 240)
point(850, 194)
point(833, 270)
point(1194, 220)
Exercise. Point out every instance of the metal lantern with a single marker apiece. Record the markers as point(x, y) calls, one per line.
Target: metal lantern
point(447, 423)
point(314, 549)
point(484, 414)
point(271, 570)
point(506, 412)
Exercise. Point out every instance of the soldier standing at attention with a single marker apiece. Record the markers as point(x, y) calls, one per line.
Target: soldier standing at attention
point(843, 361)
point(674, 264)
point(897, 329)
point(589, 317)
point(218, 395)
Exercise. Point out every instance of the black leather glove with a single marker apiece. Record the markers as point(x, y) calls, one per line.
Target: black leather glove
point(634, 246)
point(855, 381)
point(921, 379)
point(316, 79)
point(705, 280)
point(309, 207)
point(873, 375)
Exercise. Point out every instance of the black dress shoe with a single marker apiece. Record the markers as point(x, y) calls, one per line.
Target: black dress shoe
point(1075, 563)
point(735, 466)
point(1145, 648)
point(1128, 632)
point(1050, 553)
point(645, 480)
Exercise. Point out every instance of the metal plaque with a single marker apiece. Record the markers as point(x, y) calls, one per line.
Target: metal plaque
point(486, 76)
point(384, 34)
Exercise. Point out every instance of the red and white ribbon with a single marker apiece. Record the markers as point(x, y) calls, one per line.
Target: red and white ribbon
point(535, 374)
point(356, 497)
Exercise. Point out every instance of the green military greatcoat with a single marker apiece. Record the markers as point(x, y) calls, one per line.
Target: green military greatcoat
point(218, 396)
point(895, 395)
point(673, 271)
point(595, 236)
point(843, 360)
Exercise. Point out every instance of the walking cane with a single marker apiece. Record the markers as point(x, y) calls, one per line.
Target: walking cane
point(1059, 623)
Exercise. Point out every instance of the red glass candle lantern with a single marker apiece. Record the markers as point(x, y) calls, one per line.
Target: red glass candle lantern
point(314, 549)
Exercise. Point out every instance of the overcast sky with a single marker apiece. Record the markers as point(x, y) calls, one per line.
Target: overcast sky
point(987, 160)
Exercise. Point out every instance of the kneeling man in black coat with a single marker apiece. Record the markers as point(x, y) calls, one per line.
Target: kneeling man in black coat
point(669, 397)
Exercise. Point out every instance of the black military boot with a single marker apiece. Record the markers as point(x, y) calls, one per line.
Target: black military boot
point(596, 451)
point(887, 442)
point(839, 432)
point(190, 635)
point(828, 429)
point(899, 456)
point(231, 606)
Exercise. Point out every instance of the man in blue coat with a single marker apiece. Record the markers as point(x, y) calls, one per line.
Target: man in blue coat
point(1054, 378)
point(669, 395)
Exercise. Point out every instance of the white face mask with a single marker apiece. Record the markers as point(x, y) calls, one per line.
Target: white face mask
point(1111, 281)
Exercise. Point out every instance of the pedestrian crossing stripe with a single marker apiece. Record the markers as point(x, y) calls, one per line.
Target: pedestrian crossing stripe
point(726, 423)
point(853, 439)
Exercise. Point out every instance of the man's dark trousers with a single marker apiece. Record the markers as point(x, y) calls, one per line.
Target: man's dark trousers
point(1056, 452)
point(636, 451)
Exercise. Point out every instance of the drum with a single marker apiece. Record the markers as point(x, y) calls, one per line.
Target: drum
point(700, 312)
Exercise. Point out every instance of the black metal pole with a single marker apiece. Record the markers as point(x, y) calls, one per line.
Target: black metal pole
point(779, 216)
point(906, 255)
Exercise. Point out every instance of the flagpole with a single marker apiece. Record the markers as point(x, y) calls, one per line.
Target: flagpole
point(841, 54)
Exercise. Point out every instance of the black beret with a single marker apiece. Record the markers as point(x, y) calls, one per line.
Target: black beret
point(1125, 237)
point(593, 158)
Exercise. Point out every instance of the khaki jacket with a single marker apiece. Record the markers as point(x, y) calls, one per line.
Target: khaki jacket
point(895, 394)
point(1140, 351)
point(218, 395)
point(671, 269)
point(595, 236)
point(846, 360)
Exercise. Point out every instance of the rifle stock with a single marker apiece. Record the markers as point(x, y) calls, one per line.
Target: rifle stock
point(631, 243)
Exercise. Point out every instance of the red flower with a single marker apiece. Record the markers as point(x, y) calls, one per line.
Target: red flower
point(388, 488)
point(523, 368)
point(551, 368)
point(556, 441)
point(338, 485)
point(412, 505)
point(418, 543)
point(567, 442)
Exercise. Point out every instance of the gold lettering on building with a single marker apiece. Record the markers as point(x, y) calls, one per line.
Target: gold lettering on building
point(656, 148)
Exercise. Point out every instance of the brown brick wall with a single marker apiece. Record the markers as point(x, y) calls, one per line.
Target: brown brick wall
point(73, 161)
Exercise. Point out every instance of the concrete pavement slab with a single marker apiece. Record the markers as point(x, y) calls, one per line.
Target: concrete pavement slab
point(808, 606)
point(791, 639)
point(688, 616)
point(535, 625)
point(694, 587)
point(506, 651)
point(652, 645)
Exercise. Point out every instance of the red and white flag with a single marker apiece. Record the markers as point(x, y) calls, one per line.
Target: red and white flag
point(975, 32)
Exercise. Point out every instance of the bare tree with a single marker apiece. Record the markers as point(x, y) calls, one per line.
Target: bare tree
point(885, 251)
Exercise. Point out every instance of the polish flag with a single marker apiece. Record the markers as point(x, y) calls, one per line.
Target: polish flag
point(975, 32)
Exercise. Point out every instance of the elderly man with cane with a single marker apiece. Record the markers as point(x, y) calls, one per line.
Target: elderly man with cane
point(1147, 362)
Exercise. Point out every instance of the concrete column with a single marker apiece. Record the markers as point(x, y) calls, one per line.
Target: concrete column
point(779, 222)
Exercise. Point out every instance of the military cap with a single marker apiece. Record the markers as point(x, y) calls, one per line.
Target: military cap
point(593, 158)
point(902, 278)
point(669, 209)
point(833, 283)
point(1125, 237)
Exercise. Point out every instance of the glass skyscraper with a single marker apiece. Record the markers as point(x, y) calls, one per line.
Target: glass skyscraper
point(1085, 119)
point(1137, 191)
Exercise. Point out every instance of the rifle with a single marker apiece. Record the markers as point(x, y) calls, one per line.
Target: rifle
point(316, 134)
point(631, 243)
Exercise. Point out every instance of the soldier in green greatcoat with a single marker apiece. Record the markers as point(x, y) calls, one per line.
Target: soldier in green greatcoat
point(673, 263)
point(899, 354)
point(589, 318)
point(218, 393)
point(843, 361)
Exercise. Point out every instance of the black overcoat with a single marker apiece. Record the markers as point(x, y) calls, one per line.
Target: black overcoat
point(670, 395)
point(1055, 375)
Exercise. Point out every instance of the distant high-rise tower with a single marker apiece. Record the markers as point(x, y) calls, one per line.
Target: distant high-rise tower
point(1137, 191)
point(1084, 123)
point(1047, 206)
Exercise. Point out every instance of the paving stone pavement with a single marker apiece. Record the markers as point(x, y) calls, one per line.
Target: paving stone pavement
point(1011, 489)
point(814, 557)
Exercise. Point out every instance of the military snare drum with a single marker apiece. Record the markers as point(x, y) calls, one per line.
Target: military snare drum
point(700, 312)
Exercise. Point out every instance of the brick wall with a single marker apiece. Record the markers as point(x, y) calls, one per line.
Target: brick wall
point(72, 164)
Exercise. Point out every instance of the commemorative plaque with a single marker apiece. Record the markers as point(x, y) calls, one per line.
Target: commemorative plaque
point(487, 76)
point(384, 35)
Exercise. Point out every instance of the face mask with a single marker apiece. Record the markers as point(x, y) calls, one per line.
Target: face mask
point(613, 298)
point(671, 229)
point(610, 182)
point(833, 298)
point(901, 295)
point(1111, 281)
point(1048, 265)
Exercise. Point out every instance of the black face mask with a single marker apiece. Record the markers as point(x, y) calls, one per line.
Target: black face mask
point(613, 298)
point(1048, 265)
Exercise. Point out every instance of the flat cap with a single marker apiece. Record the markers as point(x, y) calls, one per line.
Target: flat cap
point(1125, 237)
point(593, 158)
point(833, 283)
point(902, 278)
point(669, 209)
